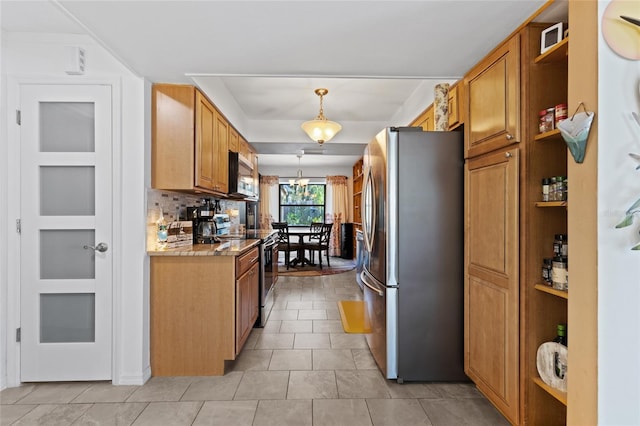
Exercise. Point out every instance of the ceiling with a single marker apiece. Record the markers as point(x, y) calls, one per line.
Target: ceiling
point(259, 61)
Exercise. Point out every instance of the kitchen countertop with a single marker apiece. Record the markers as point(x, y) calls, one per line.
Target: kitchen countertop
point(227, 247)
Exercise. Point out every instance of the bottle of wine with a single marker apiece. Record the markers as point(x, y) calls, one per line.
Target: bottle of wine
point(560, 367)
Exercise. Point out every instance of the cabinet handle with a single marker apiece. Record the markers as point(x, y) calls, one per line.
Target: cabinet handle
point(508, 154)
point(509, 136)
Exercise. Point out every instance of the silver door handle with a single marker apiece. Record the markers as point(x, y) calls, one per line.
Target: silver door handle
point(364, 281)
point(101, 247)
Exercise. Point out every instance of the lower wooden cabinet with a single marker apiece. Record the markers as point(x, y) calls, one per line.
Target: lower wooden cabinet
point(491, 278)
point(246, 304)
point(202, 311)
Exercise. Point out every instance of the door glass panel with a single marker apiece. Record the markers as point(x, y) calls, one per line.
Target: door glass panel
point(67, 191)
point(62, 255)
point(67, 318)
point(67, 127)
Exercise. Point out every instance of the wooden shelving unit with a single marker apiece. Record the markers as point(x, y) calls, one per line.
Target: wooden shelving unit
point(550, 135)
point(546, 156)
point(559, 395)
point(551, 290)
point(357, 199)
point(551, 204)
point(557, 53)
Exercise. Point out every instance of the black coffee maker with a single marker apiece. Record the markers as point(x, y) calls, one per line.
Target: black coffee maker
point(204, 224)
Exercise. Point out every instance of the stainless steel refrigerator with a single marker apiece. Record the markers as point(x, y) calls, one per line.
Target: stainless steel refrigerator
point(412, 220)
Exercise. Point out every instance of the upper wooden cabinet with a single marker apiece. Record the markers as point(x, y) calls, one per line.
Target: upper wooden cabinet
point(221, 154)
point(233, 139)
point(493, 100)
point(425, 120)
point(189, 141)
point(455, 105)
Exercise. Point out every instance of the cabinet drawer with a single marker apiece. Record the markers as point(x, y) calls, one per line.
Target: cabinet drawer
point(245, 260)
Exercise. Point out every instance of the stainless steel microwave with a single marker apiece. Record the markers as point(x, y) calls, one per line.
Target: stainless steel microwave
point(242, 181)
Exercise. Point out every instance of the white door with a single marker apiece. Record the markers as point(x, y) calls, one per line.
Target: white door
point(65, 253)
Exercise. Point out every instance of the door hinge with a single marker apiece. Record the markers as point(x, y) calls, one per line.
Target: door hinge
point(19, 226)
point(18, 117)
point(18, 334)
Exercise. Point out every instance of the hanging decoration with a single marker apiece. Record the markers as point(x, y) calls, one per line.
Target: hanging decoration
point(575, 132)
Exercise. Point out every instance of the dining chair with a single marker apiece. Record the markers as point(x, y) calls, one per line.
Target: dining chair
point(283, 240)
point(322, 243)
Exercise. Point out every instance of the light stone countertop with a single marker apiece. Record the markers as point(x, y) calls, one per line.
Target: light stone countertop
point(225, 248)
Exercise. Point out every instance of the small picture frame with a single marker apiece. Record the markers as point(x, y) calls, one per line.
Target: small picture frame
point(550, 37)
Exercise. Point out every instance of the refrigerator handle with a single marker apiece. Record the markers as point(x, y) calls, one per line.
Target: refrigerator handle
point(366, 283)
point(368, 238)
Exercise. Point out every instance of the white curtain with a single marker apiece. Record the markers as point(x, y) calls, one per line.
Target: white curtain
point(337, 190)
point(267, 185)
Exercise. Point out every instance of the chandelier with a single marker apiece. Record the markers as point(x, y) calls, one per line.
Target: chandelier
point(299, 181)
point(321, 130)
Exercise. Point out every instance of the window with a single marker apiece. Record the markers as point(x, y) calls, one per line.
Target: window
point(301, 205)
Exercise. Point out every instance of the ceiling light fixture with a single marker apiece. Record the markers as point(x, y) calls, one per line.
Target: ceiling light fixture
point(321, 130)
point(299, 181)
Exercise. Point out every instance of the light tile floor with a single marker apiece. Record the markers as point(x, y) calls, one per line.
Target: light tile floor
point(301, 369)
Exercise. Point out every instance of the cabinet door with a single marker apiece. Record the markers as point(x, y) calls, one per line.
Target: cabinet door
point(491, 278)
point(206, 153)
point(254, 305)
point(453, 106)
point(493, 100)
point(426, 120)
point(233, 139)
point(246, 304)
point(243, 285)
point(221, 154)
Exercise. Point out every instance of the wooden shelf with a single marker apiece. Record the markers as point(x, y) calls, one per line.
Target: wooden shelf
point(559, 395)
point(551, 203)
point(547, 136)
point(551, 290)
point(557, 53)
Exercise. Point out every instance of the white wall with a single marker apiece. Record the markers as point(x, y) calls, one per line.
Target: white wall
point(618, 266)
point(4, 279)
point(41, 57)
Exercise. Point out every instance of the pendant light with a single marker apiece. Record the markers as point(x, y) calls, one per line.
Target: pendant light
point(299, 181)
point(321, 130)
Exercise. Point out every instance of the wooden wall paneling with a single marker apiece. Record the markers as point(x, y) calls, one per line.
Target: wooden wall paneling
point(582, 398)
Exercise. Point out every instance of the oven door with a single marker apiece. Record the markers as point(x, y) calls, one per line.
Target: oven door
point(267, 280)
point(270, 266)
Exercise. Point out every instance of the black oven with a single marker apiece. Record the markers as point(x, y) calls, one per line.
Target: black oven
point(269, 276)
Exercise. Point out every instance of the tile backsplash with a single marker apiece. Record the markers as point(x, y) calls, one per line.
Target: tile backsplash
point(174, 208)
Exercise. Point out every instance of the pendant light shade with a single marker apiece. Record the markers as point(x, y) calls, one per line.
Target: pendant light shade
point(299, 181)
point(321, 130)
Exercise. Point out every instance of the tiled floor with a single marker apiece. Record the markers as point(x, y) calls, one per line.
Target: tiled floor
point(301, 369)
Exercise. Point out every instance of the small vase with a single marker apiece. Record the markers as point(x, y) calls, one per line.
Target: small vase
point(162, 233)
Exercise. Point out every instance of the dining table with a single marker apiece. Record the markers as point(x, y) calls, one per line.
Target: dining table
point(300, 232)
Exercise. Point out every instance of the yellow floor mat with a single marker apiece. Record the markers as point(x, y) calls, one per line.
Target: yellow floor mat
point(352, 316)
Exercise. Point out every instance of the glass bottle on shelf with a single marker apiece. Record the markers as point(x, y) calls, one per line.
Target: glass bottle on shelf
point(559, 366)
